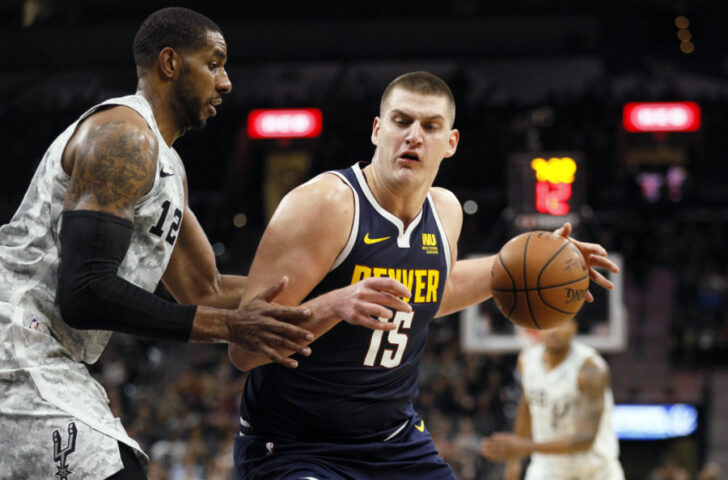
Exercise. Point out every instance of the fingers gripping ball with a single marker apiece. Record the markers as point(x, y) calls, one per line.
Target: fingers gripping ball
point(539, 280)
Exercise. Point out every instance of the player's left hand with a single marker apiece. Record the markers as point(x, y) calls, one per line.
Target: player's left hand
point(595, 256)
point(500, 447)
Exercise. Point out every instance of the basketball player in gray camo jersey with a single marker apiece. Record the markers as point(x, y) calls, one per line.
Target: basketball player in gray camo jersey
point(105, 218)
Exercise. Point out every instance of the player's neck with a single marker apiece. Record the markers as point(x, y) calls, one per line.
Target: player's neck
point(553, 358)
point(162, 112)
point(393, 198)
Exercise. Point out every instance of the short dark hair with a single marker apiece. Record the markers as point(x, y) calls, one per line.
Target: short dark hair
point(423, 83)
point(176, 27)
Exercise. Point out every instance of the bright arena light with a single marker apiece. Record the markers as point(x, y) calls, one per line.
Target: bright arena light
point(285, 123)
point(661, 117)
point(470, 207)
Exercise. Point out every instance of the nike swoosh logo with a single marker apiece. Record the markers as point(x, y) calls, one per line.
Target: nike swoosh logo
point(421, 426)
point(369, 241)
point(163, 174)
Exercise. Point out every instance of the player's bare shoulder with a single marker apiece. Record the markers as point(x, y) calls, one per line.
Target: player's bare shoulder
point(449, 211)
point(329, 188)
point(326, 194)
point(320, 209)
point(594, 376)
point(111, 159)
point(447, 204)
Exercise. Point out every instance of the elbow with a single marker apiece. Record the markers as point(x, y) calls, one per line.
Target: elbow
point(70, 306)
point(72, 317)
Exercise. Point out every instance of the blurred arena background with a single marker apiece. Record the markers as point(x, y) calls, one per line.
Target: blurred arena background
point(533, 79)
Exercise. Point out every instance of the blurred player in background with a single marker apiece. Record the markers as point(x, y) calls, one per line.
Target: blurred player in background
point(346, 411)
point(564, 416)
point(106, 216)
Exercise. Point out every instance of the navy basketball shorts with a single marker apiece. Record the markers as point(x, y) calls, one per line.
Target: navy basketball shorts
point(408, 454)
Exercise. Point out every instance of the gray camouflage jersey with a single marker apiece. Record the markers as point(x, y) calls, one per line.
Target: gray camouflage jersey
point(44, 387)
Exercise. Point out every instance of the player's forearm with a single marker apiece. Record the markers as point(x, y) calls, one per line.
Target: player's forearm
point(468, 283)
point(227, 292)
point(191, 285)
point(573, 444)
point(323, 318)
point(522, 426)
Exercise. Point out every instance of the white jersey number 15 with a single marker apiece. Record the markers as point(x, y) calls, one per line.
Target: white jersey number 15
point(390, 357)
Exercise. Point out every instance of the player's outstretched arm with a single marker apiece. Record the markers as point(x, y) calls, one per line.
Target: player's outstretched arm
point(468, 281)
point(192, 276)
point(256, 326)
point(112, 161)
point(308, 231)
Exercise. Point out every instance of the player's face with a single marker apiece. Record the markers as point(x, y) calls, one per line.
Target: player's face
point(559, 339)
point(201, 82)
point(413, 136)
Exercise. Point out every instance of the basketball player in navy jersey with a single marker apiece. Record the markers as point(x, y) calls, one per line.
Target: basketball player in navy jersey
point(105, 218)
point(346, 412)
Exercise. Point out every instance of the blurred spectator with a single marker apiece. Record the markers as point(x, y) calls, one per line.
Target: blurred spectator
point(711, 471)
point(668, 470)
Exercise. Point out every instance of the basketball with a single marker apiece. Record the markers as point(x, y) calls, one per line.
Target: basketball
point(539, 280)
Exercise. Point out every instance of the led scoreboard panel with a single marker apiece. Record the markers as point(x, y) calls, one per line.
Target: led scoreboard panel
point(545, 189)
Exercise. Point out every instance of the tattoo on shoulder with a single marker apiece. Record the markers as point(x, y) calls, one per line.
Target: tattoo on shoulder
point(114, 168)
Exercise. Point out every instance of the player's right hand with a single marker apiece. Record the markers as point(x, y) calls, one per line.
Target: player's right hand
point(260, 326)
point(369, 303)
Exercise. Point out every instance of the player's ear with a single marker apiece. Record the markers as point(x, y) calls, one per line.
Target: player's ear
point(375, 130)
point(452, 143)
point(168, 62)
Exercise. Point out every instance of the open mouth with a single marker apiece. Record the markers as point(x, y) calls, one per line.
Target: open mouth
point(410, 156)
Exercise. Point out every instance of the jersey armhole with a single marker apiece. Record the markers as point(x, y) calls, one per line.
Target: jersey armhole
point(354, 226)
point(443, 233)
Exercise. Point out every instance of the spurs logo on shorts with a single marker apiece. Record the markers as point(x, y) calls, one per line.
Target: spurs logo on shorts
point(60, 454)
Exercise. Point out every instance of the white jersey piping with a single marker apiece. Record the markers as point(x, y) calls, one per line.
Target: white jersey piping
point(403, 239)
point(354, 227)
point(443, 233)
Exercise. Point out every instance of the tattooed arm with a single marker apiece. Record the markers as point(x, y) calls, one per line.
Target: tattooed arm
point(593, 381)
point(112, 162)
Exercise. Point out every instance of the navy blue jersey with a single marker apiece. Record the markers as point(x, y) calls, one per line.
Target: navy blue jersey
point(358, 382)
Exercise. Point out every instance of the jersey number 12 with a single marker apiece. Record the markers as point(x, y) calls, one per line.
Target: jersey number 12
point(390, 357)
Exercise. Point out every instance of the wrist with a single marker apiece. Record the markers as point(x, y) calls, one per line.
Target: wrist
point(526, 448)
point(210, 325)
point(324, 307)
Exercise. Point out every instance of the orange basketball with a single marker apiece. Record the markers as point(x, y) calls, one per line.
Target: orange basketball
point(539, 280)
